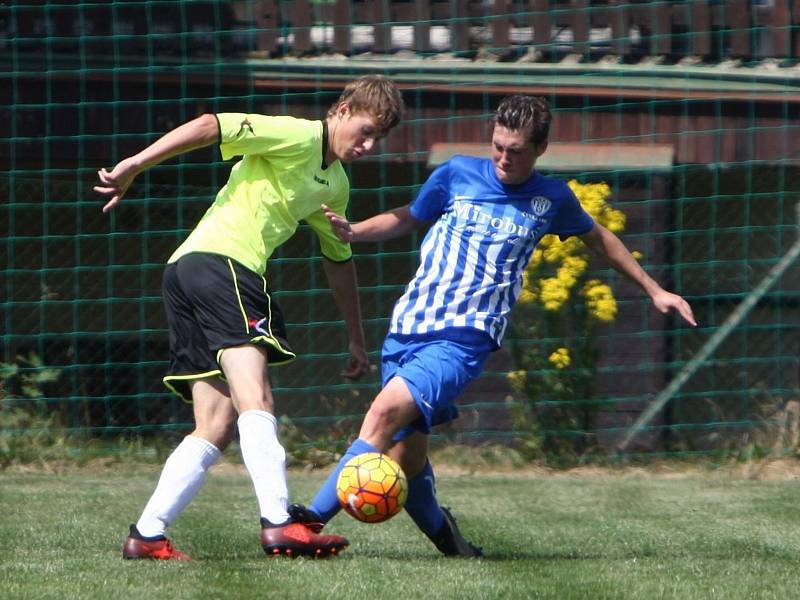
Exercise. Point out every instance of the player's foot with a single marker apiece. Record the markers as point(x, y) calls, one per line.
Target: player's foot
point(137, 546)
point(450, 542)
point(299, 539)
point(300, 514)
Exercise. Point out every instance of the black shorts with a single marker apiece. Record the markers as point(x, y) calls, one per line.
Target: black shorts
point(212, 303)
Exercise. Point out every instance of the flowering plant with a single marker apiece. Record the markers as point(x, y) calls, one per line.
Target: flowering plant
point(553, 335)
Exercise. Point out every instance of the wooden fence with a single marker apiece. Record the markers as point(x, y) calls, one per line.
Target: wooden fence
point(708, 30)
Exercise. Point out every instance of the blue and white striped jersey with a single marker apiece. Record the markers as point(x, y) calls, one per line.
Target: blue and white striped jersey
point(473, 256)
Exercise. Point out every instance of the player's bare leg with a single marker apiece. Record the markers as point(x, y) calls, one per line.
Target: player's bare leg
point(245, 369)
point(184, 472)
point(214, 412)
point(392, 409)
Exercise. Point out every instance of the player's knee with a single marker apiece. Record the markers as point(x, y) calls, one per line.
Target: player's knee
point(217, 431)
point(383, 416)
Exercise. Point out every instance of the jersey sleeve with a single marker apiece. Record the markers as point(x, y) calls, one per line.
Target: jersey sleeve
point(243, 134)
point(331, 246)
point(432, 197)
point(571, 219)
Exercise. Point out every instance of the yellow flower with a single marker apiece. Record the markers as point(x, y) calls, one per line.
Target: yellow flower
point(613, 220)
point(592, 197)
point(556, 267)
point(553, 294)
point(576, 265)
point(517, 380)
point(536, 259)
point(552, 251)
point(526, 297)
point(600, 300)
point(566, 278)
point(560, 358)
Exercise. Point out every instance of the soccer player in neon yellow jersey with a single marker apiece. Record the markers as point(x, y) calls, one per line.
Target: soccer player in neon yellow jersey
point(225, 328)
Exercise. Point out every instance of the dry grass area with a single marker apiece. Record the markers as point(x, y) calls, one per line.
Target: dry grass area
point(472, 461)
point(488, 462)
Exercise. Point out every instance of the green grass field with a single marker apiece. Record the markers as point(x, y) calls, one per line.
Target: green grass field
point(545, 536)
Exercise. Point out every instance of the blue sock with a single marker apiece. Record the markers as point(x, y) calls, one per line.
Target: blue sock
point(421, 504)
point(326, 502)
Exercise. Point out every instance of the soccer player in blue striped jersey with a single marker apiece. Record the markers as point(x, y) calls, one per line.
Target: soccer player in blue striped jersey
point(488, 215)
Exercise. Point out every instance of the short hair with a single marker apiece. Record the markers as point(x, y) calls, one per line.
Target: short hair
point(375, 95)
point(529, 114)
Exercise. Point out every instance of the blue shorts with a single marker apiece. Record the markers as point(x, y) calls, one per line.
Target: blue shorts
point(436, 368)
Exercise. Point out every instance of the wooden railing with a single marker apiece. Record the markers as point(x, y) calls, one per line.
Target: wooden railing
point(707, 30)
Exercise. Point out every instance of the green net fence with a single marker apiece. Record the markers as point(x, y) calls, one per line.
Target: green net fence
point(687, 110)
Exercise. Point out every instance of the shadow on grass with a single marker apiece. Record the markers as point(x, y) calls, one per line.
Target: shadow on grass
point(753, 550)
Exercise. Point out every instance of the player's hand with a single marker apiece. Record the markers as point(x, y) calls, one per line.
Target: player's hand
point(115, 183)
point(665, 301)
point(340, 225)
point(357, 363)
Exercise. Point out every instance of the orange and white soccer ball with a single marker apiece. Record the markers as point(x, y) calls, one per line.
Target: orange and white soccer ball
point(372, 487)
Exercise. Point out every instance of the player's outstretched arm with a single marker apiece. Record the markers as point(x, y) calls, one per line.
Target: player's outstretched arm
point(344, 285)
point(387, 225)
point(197, 133)
point(605, 243)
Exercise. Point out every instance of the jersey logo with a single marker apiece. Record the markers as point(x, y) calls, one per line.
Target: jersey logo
point(248, 124)
point(320, 180)
point(540, 205)
point(485, 223)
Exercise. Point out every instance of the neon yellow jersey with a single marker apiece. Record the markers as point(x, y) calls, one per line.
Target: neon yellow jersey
point(278, 183)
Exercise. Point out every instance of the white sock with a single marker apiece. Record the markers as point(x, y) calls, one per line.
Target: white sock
point(181, 479)
point(265, 460)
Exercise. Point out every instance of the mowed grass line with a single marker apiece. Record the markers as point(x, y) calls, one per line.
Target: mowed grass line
point(558, 536)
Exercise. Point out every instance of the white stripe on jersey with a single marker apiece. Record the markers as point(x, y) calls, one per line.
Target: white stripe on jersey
point(458, 283)
point(422, 287)
point(462, 296)
point(454, 270)
point(506, 294)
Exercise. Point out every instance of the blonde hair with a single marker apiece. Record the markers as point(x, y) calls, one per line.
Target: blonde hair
point(375, 95)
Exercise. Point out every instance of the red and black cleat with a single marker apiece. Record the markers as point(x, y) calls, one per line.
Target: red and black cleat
point(298, 513)
point(136, 546)
point(299, 539)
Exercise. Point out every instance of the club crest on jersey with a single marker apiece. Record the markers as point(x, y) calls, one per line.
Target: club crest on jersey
point(540, 205)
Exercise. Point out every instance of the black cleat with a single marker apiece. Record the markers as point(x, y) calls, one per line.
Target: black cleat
point(450, 542)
